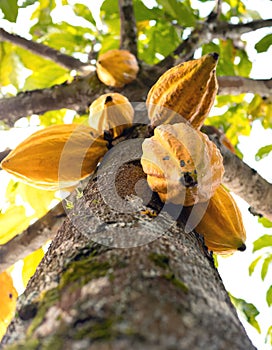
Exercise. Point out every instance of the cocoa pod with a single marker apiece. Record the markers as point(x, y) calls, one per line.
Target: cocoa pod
point(57, 156)
point(186, 91)
point(111, 112)
point(182, 164)
point(117, 68)
point(8, 297)
point(222, 224)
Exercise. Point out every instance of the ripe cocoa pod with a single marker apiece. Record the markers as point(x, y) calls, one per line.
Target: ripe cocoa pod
point(186, 91)
point(117, 68)
point(8, 297)
point(57, 156)
point(222, 224)
point(111, 112)
point(182, 164)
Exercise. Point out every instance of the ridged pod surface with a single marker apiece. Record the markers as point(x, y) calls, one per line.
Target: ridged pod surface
point(222, 224)
point(186, 91)
point(181, 164)
point(111, 112)
point(57, 156)
point(117, 68)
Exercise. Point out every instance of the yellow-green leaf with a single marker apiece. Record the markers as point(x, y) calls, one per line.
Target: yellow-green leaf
point(30, 265)
point(12, 222)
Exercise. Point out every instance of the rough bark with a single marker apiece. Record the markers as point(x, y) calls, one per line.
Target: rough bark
point(128, 31)
point(165, 294)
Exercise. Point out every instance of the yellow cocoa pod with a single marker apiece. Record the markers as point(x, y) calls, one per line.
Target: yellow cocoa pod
point(111, 112)
point(8, 297)
point(57, 156)
point(222, 224)
point(117, 68)
point(182, 164)
point(186, 91)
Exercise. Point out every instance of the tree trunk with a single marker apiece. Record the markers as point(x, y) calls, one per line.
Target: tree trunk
point(121, 275)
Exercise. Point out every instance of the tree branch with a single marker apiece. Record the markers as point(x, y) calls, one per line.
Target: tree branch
point(82, 91)
point(76, 95)
point(32, 238)
point(239, 85)
point(245, 181)
point(3, 154)
point(128, 39)
point(208, 31)
point(47, 52)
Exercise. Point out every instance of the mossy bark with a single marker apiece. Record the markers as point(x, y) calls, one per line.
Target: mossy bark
point(165, 294)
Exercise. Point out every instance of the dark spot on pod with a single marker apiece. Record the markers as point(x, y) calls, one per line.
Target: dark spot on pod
point(242, 248)
point(10, 295)
point(182, 163)
point(188, 180)
point(166, 158)
point(108, 99)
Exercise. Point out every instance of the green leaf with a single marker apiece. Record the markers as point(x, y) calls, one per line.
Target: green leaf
point(13, 221)
point(262, 242)
point(265, 266)
point(28, 3)
point(179, 11)
point(30, 265)
point(52, 117)
point(108, 8)
point(43, 16)
point(243, 68)
point(38, 199)
point(10, 67)
point(83, 11)
point(264, 44)
point(142, 13)
point(45, 72)
point(248, 310)
point(265, 222)
point(253, 265)
point(269, 296)
point(10, 9)
point(263, 152)
point(268, 337)
point(161, 38)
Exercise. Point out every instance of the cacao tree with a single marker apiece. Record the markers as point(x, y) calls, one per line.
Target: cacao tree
point(105, 263)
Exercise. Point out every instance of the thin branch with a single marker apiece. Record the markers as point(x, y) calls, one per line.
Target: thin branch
point(245, 181)
point(128, 35)
point(3, 154)
point(82, 91)
point(32, 238)
point(239, 85)
point(206, 33)
point(47, 52)
point(77, 96)
point(229, 30)
point(216, 12)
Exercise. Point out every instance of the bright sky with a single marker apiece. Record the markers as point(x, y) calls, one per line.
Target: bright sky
point(234, 269)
